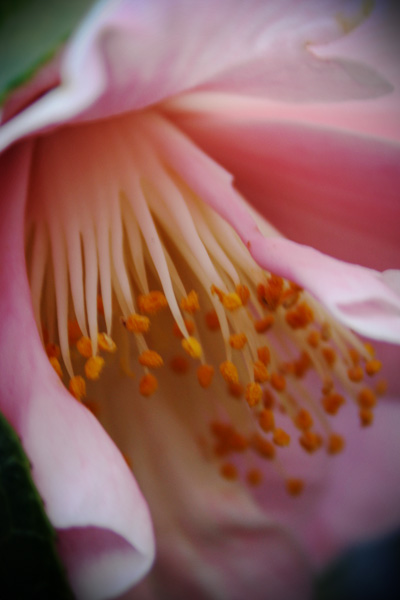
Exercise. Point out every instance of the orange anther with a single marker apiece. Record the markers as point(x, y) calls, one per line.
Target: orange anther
point(52, 350)
point(253, 394)
point(77, 387)
point(373, 366)
point(289, 298)
point(381, 387)
point(264, 355)
point(231, 301)
point(137, 323)
point(281, 438)
point(192, 347)
point(369, 348)
point(335, 443)
point(263, 447)
point(243, 293)
point(261, 374)
point(355, 374)
point(266, 420)
point(303, 420)
point(84, 346)
point(229, 372)
point(179, 364)
point(313, 339)
point(332, 403)
point(310, 441)
point(294, 487)
point(74, 331)
point(366, 398)
point(278, 382)
point(301, 365)
point(329, 355)
point(262, 325)
point(355, 356)
point(190, 303)
point(238, 341)
point(205, 374)
point(152, 302)
point(189, 326)
point(254, 477)
point(212, 320)
point(148, 385)
point(366, 417)
point(55, 363)
point(299, 317)
point(268, 399)
point(326, 331)
point(93, 367)
point(235, 389)
point(151, 359)
point(229, 471)
point(269, 295)
point(106, 343)
point(215, 290)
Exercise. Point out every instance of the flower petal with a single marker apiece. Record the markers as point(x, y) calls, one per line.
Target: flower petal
point(124, 57)
point(80, 474)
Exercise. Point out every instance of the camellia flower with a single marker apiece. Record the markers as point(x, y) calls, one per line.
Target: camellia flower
point(218, 359)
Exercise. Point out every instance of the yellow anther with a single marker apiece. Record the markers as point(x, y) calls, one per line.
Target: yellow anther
point(238, 341)
point(229, 471)
point(278, 382)
point(264, 355)
point(366, 417)
point(253, 394)
point(261, 374)
point(189, 326)
point(263, 447)
point(310, 441)
point(229, 372)
point(151, 359)
point(190, 303)
point(55, 363)
point(281, 438)
point(77, 387)
point(294, 487)
point(212, 320)
point(152, 302)
point(373, 366)
point(303, 420)
point(106, 343)
point(299, 317)
point(179, 364)
point(205, 374)
point(93, 367)
point(243, 293)
point(137, 323)
point(148, 385)
point(192, 347)
point(232, 301)
point(313, 339)
point(263, 325)
point(254, 477)
point(329, 355)
point(52, 350)
point(74, 331)
point(266, 420)
point(355, 374)
point(366, 398)
point(335, 443)
point(332, 402)
point(84, 347)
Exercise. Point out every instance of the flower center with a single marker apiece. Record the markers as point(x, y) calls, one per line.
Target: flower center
point(128, 267)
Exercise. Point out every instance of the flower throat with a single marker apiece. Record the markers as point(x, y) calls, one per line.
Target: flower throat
point(132, 273)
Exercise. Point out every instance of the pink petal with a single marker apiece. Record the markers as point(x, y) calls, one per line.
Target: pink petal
point(129, 55)
point(357, 296)
point(87, 488)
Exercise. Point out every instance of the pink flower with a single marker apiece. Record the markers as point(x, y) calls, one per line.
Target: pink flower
point(126, 178)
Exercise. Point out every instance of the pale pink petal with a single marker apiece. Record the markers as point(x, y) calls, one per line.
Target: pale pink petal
point(127, 55)
point(357, 296)
point(80, 474)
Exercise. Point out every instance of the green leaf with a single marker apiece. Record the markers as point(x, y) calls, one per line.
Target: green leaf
point(31, 31)
point(29, 567)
